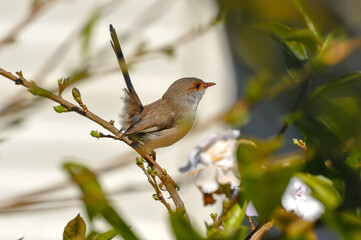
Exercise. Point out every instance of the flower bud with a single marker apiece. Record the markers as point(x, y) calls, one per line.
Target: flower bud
point(95, 134)
point(76, 95)
point(139, 161)
point(156, 197)
point(60, 109)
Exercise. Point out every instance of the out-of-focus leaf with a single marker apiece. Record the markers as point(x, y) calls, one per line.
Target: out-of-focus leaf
point(95, 201)
point(305, 37)
point(92, 235)
point(263, 177)
point(75, 229)
point(238, 115)
point(182, 229)
point(107, 235)
point(93, 196)
point(87, 31)
point(347, 224)
point(341, 82)
point(292, 225)
point(322, 189)
point(294, 52)
point(233, 224)
point(309, 18)
point(354, 159)
point(80, 74)
point(295, 39)
point(256, 87)
point(330, 117)
point(336, 51)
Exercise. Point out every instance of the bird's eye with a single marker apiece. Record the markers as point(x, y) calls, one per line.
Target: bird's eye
point(198, 85)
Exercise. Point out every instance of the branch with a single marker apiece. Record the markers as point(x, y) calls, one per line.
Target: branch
point(108, 125)
point(152, 180)
point(140, 55)
point(260, 232)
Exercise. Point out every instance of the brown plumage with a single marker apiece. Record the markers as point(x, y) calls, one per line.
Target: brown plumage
point(162, 122)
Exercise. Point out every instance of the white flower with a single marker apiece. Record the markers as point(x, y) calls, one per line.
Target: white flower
point(217, 155)
point(297, 198)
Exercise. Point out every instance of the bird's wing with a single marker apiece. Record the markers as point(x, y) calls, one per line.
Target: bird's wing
point(151, 119)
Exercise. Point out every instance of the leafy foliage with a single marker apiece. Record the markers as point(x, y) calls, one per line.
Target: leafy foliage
point(95, 201)
point(298, 66)
point(75, 229)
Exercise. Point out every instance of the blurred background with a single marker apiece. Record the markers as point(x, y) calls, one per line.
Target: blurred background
point(162, 41)
point(258, 68)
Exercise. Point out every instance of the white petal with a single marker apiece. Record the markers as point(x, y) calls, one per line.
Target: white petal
point(227, 177)
point(228, 138)
point(297, 198)
point(227, 162)
point(205, 158)
point(206, 180)
point(193, 160)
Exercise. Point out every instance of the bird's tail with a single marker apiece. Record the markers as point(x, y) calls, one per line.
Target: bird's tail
point(133, 105)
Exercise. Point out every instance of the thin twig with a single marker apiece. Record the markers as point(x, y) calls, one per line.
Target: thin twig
point(251, 223)
point(152, 180)
point(145, 54)
point(260, 232)
point(36, 90)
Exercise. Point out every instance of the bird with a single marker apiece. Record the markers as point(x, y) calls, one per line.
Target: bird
point(165, 121)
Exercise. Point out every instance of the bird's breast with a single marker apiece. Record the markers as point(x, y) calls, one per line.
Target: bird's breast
point(168, 136)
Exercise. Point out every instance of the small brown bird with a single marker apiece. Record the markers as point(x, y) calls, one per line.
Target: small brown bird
point(162, 122)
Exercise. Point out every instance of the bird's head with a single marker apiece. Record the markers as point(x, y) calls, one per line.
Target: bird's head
point(187, 91)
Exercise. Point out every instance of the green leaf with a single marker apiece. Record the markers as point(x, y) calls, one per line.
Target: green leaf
point(354, 159)
point(292, 40)
point(75, 229)
point(88, 30)
point(309, 18)
point(182, 229)
point(95, 201)
point(263, 177)
point(305, 37)
point(93, 196)
point(255, 90)
point(234, 220)
point(60, 109)
point(342, 82)
point(107, 235)
point(323, 189)
point(294, 52)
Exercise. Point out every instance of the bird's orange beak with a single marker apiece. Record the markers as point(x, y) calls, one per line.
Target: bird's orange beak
point(209, 84)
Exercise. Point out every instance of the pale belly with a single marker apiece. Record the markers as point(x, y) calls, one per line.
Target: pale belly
point(166, 137)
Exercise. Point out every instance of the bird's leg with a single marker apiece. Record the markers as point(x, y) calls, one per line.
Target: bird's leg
point(153, 155)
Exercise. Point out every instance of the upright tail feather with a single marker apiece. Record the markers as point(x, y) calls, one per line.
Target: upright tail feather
point(133, 105)
point(123, 65)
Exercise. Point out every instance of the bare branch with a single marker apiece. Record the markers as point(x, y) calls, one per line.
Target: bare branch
point(260, 232)
point(38, 91)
